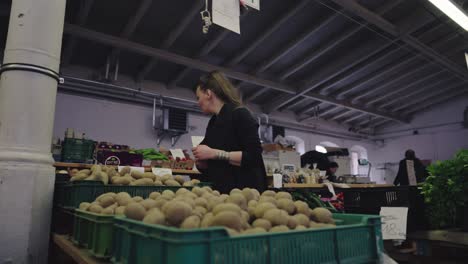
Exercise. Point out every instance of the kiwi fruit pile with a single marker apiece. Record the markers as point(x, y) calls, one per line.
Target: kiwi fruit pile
point(109, 175)
point(241, 212)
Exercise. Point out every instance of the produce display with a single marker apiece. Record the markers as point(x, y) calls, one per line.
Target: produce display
point(109, 175)
point(241, 212)
point(150, 154)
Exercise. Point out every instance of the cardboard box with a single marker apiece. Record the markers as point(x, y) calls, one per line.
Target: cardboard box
point(275, 147)
point(119, 158)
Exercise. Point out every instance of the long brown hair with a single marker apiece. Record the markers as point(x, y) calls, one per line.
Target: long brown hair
point(221, 86)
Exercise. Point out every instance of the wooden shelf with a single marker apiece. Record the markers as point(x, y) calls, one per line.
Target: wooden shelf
point(87, 166)
point(319, 185)
point(81, 256)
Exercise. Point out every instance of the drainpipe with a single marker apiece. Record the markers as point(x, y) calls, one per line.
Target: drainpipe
point(28, 87)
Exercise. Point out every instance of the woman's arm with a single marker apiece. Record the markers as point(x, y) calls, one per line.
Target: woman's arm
point(203, 153)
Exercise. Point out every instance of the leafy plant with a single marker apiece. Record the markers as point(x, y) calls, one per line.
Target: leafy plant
point(446, 189)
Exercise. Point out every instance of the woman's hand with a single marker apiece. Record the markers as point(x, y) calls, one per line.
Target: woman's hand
point(203, 152)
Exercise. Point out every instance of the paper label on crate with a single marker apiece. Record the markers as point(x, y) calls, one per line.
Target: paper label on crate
point(177, 153)
point(394, 221)
point(140, 169)
point(161, 171)
point(277, 180)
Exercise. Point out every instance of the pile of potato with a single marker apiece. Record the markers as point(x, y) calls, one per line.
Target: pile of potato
point(108, 174)
point(241, 212)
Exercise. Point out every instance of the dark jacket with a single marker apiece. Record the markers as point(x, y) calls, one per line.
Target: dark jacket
point(235, 129)
point(402, 175)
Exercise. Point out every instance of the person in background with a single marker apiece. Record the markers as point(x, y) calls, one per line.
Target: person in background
point(230, 155)
point(332, 168)
point(411, 170)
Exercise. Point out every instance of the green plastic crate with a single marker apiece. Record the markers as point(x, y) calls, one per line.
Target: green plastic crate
point(77, 150)
point(356, 239)
point(94, 232)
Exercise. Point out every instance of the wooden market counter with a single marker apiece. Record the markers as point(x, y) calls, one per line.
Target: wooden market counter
point(147, 168)
point(339, 185)
point(79, 255)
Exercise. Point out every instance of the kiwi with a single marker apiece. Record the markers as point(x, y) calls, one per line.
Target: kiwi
point(254, 230)
point(300, 227)
point(227, 207)
point(252, 203)
point(119, 210)
point(125, 170)
point(106, 201)
point(248, 194)
point(287, 205)
point(301, 219)
point(169, 194)
point(228, 219)
point(187, 184)
point(137, 199)
point(200, 211)
point(154, 217)
point(176, 212)
point(262, 208)
point(207, 219)
point(201, 202)
point(276, 216)
point(283, 195)
point(239, 199)
point(267, 199)
point(269, 193)
point(181, 191)
point(149, 175)
point(292, 222)
point(263, 223)
point(302, 208)
point(180, 179)
point(148, 203)
point(322, 215)
point(95, 208)
point(171, 183)
point(280, 228)
point(191, 222)
point(84, 206)
point(235, 190)
point(154, 195)
point(135, 211)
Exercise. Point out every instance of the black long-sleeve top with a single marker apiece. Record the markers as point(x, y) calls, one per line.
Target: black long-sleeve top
point(235, 129)
point(402, 175)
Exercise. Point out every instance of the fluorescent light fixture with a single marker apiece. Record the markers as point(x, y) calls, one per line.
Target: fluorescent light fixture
point(452, 11)
point(320, 149)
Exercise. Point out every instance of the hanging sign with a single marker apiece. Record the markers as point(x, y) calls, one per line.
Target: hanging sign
point(252, 3)
point(226, 14)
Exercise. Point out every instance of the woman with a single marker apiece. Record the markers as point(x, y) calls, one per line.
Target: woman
point(411, 170)
point(231, 153)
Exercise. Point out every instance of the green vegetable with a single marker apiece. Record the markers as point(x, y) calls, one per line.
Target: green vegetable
point(151, 154)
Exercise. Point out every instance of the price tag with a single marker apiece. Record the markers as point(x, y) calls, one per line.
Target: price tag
point(161, 171)
point(177, 153)
point(140, 169)
point(277, 180)
point(394, 222)
point(196, 140)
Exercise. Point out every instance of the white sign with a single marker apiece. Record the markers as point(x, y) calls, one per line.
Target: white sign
point(177, 153)
point(226, 14)
point(196, 140)
point(161, 171)
point(252, 3)
point(394, 222)
point(140, 169)
point(277, 180)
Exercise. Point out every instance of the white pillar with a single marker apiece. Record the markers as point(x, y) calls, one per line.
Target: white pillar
point(27, 105)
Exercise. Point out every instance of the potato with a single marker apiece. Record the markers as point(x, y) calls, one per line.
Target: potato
point(112, 194)
point(95, 168)
point(160, 202)
point(255, 230)
point(119, 210)
point(198, 191)
point(190, 195)
point(106, 201)
point(213, 203)
point(123, 198)
point(109, 210)
point(142, 182)
point(287, 205)
point(112, 172)
point(322, 215)
point(187, 184)
point(84, 206)
point(187, 200)
point(252, 203)
point(227, 207)
point(182, 191)
point(166, 177)
point(148, 203)
point(171, 183)
point(180, 179)
point(79, 177)
point(207, 189)
point(223, 197)
point(248, 194)
point(262, 208)
point(136, 174)
point(201, 202)
point(158, 183)
point(292, 222)
point(245, 216)
point(263, 223)
point(301, 219)
point(154, 195)
point(276, 216)
point(256, 194)
point(200, 211)
point(135, 211)
point(300, 227)
point(239, 199)
point(251, 211)
point(232, 232)
point(280, 228)
point(269, 193)
point(154, 217)
point(102, 176)
point(95, 208)
point(85, 171)
point(168, 194)
point(216, 193)
point(235, 190)
point(283, 195)
point(267, 199)
point(137, 199)
point(228, 219)
point(176, 212)
point(125, 170)
point(207, 220)
point(191, 222)
point(302, 208)
point(149, 175)
point(315, 225)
